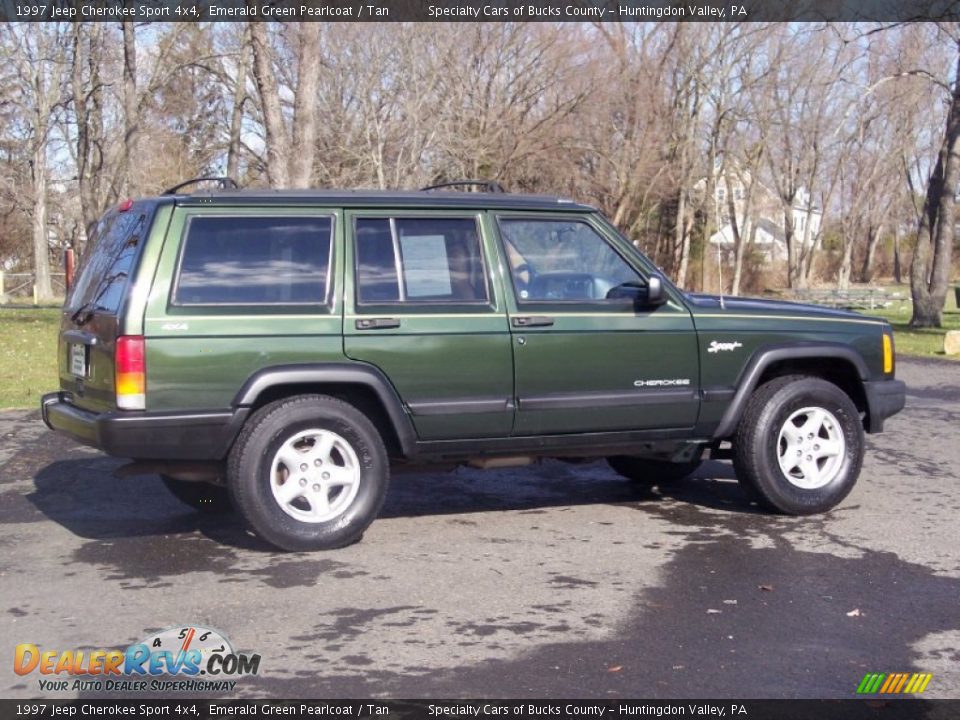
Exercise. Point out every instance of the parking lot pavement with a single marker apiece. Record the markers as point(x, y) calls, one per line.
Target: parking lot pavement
point(559, 580)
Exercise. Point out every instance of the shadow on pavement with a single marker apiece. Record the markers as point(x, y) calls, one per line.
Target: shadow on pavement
point(83, 496)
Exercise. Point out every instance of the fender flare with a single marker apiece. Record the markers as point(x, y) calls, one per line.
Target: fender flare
point(334, 373)
point(767, 355)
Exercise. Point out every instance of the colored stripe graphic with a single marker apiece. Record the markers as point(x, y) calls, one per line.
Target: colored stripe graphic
point(894, 683)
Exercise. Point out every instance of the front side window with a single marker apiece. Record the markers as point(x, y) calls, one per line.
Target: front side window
point(255, 261)
point(559, 260)
point(419, 260)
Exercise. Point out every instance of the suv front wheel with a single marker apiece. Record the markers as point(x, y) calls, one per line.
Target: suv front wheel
point(308, 473)
point(799, 445)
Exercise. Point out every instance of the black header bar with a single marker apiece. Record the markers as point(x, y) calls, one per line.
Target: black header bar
point(479, 10)
point(623, 709)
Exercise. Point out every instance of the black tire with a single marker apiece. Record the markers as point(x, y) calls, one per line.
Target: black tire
point(252, 484)
point(757, 445)
point(650, 471)
point(203, 496)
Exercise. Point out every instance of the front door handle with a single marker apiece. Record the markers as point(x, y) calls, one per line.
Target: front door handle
point(526, 321)
point(377, 323)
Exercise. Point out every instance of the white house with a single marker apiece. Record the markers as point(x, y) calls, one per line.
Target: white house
point(765, 221)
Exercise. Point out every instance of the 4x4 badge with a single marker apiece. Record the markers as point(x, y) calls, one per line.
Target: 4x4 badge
point(716, 347)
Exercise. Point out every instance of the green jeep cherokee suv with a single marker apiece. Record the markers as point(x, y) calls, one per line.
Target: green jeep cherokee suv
point(281, 351)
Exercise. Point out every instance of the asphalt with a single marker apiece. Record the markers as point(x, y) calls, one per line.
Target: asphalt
point(556, 581)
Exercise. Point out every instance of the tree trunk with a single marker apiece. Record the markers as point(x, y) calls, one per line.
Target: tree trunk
point(789, 239)
point(305, 107)
point(41, 247)
point(682, 239)
point(930, 268)
point(88, 108)
point(131, 114)
point(278, 146)
point(846, 265)
point(873, 240)
point(236, 116)
point(897, 264)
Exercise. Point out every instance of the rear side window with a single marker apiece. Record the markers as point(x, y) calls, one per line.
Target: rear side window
point(255, 261)
point(419, 260)
point(106, 267)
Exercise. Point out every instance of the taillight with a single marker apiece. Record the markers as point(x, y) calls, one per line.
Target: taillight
point(131, 374)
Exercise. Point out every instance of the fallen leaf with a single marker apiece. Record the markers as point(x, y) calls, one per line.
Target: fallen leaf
point(768, 588)
point(711, 611)
point(854, 613)
point(615, 668)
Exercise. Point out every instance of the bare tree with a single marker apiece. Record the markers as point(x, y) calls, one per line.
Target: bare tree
point(289, 152)
point(87, 103)
point(37, 56)
point(930, 268)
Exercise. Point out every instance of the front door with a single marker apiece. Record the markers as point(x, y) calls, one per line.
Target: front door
point(588, 357)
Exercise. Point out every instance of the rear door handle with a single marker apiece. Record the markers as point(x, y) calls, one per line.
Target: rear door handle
point(526, 321)
point(377, 323)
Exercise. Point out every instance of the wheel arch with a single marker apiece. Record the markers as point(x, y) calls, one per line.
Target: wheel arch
point(363, 386)
point(837, 363)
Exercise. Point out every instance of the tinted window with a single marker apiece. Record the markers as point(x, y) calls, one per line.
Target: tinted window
point(111, 254)
point(561, 260)
point(419, 260)
point(255, 261)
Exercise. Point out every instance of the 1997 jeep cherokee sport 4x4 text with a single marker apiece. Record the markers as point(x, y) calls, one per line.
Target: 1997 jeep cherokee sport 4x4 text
point(287, 348)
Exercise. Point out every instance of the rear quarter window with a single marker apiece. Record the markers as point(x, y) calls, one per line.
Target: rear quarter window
point(255, 261)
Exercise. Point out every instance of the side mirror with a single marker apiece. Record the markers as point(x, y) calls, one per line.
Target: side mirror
point(655, 294)
point(649, 294)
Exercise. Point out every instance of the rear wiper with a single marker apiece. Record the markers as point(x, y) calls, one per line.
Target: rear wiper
point(82, 314)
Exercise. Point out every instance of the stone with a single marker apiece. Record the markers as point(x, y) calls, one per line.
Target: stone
point(951, 342)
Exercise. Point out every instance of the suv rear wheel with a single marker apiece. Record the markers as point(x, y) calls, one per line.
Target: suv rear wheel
point(799, 446)
point(308, 473)
point(650, 471)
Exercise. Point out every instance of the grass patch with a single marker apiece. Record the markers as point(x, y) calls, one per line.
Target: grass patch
point(28, 355)
point(926, 342)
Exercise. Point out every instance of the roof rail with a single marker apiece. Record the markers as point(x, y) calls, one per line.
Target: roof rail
point(225, 183)
point(488, 185)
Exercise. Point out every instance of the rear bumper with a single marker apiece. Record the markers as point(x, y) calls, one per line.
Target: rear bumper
point(146, 435)
point(884, 398)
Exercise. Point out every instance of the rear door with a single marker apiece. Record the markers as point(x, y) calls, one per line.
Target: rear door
point(586, 358)
point(423, 306)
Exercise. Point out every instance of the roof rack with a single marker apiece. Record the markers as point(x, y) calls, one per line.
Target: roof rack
point(488, 185)
point(226, 183)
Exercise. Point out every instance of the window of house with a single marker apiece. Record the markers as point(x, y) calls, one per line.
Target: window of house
point(721, 194)
point(419, 260)
point(255, 261)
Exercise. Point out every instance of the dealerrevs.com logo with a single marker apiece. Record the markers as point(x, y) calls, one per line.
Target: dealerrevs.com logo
point(187, 659)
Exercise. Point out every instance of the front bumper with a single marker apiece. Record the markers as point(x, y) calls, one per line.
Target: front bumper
point(884, 398)
point(146, 435)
